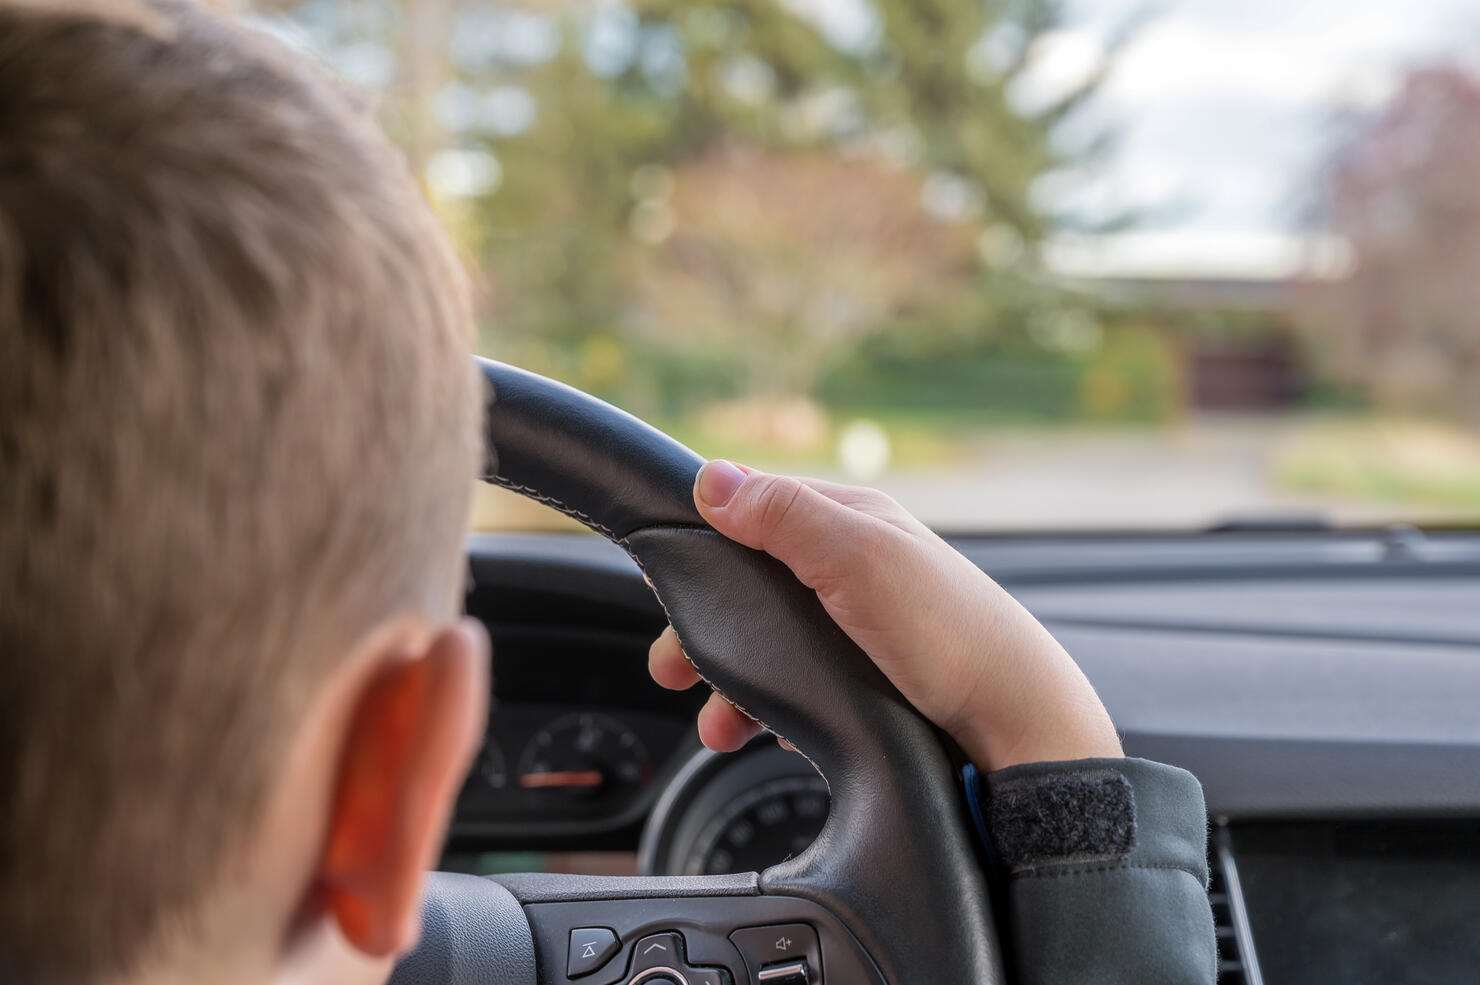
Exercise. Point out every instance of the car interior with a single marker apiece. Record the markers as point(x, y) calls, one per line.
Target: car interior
point(1319, 683)
point(1164, 315)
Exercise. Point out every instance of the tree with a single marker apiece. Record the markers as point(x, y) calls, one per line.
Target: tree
point(788, 261)
point(757, 96)
point(818, 111)
point(1401, 189)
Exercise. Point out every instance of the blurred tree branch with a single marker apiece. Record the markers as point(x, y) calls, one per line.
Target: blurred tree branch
point(1401, 189)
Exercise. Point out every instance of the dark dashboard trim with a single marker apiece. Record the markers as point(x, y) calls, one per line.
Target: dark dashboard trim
point(1328, 762)
point(1020, 560)
point(1282, 633)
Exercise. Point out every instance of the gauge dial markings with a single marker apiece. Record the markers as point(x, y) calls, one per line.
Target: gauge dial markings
point(762, 826)
point(584, 756)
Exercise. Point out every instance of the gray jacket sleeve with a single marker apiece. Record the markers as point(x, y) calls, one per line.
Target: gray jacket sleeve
point(1106, 868)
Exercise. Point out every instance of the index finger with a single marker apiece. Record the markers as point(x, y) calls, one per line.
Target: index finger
point(668, 665)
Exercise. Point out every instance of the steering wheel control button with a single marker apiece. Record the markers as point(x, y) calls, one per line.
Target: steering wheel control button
point(769, 950)
point(787, 973)
point(590, 948)
point(708, 976)
point(660, 958)
point(657, 951)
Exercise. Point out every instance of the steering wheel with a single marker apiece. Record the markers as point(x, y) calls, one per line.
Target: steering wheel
point(892, 890)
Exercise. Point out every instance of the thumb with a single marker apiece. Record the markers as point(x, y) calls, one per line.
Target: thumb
point(809, 533)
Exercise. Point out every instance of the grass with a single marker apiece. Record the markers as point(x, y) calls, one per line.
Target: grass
point(1413, 462)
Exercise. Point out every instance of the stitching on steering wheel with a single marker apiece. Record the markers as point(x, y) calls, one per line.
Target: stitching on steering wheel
point(551, 501)
point(594, 524)
point(684, 650)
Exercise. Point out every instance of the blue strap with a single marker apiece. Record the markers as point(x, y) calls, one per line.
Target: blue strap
point(976, 802)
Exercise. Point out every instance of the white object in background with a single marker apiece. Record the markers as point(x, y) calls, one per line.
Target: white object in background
point(863, 449)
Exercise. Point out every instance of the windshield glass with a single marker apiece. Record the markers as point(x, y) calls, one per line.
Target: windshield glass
point(1021, 263)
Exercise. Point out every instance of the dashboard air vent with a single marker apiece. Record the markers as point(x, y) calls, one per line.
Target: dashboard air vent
point(1230, 964)
point(1237, 964)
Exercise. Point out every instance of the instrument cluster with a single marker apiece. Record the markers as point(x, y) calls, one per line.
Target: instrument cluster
point(735, 813)
point(556, 770)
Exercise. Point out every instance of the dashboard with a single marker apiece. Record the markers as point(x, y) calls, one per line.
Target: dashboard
point(1322, 686)
point(579, 744)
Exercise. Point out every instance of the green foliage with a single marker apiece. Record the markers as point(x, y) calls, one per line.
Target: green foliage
point(985, 386)
point(1130, 374)
point(1134, 376)
point(567, 254)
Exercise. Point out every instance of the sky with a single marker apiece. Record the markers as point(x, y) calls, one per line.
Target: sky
point(1224, 108)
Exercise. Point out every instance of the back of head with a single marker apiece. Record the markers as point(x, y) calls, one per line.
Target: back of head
point(238, 426)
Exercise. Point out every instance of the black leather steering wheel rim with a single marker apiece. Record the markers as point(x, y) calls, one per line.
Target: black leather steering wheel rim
point(896, 862)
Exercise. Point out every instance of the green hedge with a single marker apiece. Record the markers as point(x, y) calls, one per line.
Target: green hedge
point(1133, 375)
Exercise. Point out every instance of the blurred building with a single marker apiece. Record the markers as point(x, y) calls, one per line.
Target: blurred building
point(1235, 337)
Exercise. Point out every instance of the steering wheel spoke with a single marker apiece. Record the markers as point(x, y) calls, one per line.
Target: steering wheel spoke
point(729, 934)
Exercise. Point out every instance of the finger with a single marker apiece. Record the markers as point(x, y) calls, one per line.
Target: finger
point(842, 492)
point(865, 498)
point(870, 502)
point(723, 727)
point(668, 665)
point(816, 537)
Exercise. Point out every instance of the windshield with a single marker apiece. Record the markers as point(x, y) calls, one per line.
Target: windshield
point(1020, 263)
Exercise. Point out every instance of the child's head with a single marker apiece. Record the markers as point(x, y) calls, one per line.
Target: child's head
point(238, 430)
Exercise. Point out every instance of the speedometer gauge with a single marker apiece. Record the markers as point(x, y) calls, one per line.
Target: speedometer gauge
point(583, 757)
point(738, 812)
point(761, 827)
point(491, 765)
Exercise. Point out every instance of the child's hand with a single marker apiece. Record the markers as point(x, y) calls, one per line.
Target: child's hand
point(961, 649)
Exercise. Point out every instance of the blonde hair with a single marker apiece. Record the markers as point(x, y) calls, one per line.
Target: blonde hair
point(238, 429)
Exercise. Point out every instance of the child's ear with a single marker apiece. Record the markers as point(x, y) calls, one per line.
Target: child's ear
point(413, 733)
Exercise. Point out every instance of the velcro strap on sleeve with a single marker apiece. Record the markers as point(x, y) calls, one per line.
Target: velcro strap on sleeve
point(1050, 818)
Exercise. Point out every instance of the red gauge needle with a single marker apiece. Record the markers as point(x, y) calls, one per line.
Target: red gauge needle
point(567, 779)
